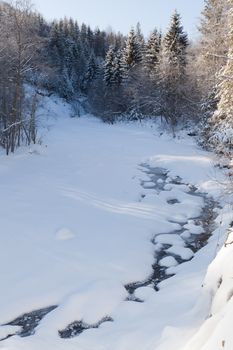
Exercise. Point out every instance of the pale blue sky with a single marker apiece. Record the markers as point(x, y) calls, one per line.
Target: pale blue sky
point(122, 14)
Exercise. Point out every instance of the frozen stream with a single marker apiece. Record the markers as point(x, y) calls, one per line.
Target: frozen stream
point(170, 250)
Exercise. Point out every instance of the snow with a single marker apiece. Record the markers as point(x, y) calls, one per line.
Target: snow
point(185, 234)
point(148, 184)
point(145, 293)
point(77, 225)
point(215, 332)
point(168, 261)
point(172, 239)
point(160, 181)
point(184, 253)
point(5, 331)
point(192, 228)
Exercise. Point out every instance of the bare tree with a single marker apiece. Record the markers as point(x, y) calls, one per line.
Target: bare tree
point(17, 47)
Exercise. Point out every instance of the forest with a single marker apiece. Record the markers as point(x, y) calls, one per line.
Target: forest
point(168, 76)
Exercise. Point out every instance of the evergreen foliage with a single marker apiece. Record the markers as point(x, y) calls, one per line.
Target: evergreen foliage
point(172, 72)
point(152, 52)
point(132, 54)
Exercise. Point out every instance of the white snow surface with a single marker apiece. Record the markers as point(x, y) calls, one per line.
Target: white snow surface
point(168, 261)
point(76, 226)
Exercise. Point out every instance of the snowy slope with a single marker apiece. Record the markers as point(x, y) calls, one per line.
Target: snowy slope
point(215, 332)
point(78, 214)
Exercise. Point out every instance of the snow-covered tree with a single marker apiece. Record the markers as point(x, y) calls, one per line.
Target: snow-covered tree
point(152, 51)
point(222, 120)
point(175, 42)
point(140, 37)
point(210, 52)
point(91, 72)
point(225, 105)
point(109, 66)
point(172, 74)
point(118, 71)
point(132, 54)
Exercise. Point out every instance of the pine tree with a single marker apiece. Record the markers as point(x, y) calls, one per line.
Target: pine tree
point(109, 67)
point(132, 54)
point(90, 37)
point(176, 42)
point(173, 71)
point(117, 71)
point(55, 40)
point(99, 43)
point(76, 30)
point(140, 36)
point(91, 72)
point(152, 51)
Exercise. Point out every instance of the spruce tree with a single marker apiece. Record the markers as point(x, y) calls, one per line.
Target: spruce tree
point(176, 42)
point(132, 54)
point(109, 67)
point(91, 72)
point(173, 71)
point(152, 51)
point(140, 37)
point(117, 71)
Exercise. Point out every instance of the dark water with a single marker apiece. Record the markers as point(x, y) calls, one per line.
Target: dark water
point(195, 242)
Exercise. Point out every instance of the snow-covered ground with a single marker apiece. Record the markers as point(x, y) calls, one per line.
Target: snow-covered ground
point(81, 219)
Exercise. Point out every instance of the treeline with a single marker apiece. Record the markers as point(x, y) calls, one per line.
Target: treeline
point(144, 77)
point(120, 77)
point(36, 56)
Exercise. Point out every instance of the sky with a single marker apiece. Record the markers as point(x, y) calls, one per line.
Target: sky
point(121, 15)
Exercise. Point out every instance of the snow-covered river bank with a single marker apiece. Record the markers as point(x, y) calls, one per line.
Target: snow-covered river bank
point(89, 231)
